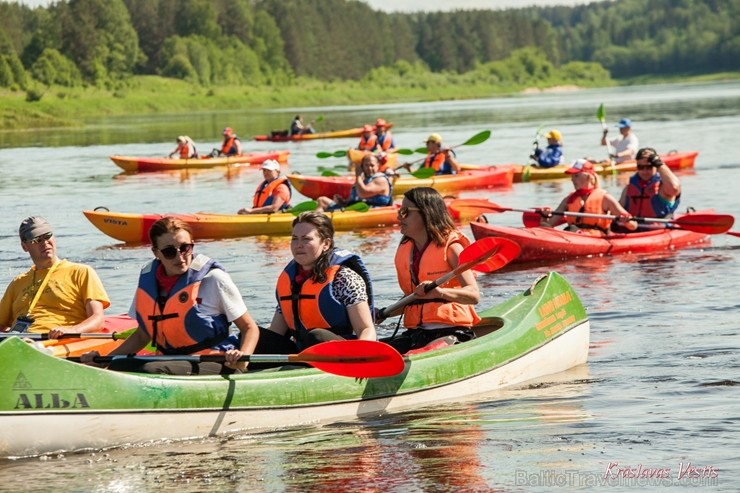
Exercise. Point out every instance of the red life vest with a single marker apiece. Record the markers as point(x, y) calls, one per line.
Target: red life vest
point(433, 264)
point(644, 200)
point(228, 147)
point(175, 321)
point(593, 204)
point(263, 196)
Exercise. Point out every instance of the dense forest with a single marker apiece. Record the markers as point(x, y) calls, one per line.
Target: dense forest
point(277, 42)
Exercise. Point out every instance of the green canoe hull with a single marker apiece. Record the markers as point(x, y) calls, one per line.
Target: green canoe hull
point(49, 404)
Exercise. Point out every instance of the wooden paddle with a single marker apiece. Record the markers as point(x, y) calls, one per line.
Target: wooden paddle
point(352, 358)
point(485, 255)
point(700, 223)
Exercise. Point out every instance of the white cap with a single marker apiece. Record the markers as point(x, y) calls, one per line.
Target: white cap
point(270, 164)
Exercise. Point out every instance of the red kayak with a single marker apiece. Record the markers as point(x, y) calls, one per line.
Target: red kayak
point(554, 244)
point(479, 179)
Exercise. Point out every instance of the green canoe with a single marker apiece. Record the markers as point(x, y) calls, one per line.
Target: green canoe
point(48, 404)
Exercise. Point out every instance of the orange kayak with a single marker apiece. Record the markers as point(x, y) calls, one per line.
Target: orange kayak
point(145, 164)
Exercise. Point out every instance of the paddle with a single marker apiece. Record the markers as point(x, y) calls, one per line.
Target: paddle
point(324, 154)
point(353, 358)
point(536, 143)
point(116, 336)
point(308, 205)
point(601, 116)
point(733, 233)
point(700, 223)
point(476, 139)
point(485, 255)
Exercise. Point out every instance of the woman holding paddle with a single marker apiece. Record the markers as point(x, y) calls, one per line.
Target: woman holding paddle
point(431, 246)
point(184, 305)
point(323, 294)
point(588, 198)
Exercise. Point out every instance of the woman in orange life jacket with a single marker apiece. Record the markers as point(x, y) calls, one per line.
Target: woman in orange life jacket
point(588, 197)
point(368, 139)
point(273, 194)
point(441, 159)
point(185, 148)
point(371, 186)
point(231, 145)
point(323, 294)
point(185, 304)
point(653, 191)
point(430, 248)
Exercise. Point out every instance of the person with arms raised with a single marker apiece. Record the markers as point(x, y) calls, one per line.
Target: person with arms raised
point(552, 155)
point(184, 304)
point(623, 148)
point(653, 191)
point(273, 194)
point(323, 294)
point(429, 248)
point(588, 197)
point(371, 186)
point(55, 296)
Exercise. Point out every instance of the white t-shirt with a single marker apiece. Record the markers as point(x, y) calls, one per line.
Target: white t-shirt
point(218, 294)
point(621, 144)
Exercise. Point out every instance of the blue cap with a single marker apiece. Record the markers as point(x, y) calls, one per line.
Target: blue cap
point(624, 122)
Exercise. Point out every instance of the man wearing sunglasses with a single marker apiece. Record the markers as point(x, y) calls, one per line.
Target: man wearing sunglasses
point(653, 191)
point(55, 296)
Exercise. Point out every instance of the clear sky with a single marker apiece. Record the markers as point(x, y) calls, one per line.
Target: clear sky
point(428, 5)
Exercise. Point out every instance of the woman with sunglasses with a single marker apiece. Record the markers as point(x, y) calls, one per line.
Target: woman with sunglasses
point(430, 248)
point(653, 191)
point(323, 294)
point(588, 197)
point(185, 304)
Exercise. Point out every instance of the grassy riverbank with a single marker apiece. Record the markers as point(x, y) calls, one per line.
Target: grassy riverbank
point(64, 107)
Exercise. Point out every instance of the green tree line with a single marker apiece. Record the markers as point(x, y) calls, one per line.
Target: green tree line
point(278, 42)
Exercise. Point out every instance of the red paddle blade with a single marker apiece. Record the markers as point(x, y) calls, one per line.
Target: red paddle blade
point(475, 206)
point(734, 233)
point(353, 358)
point(492, 252)
point(706, 223)
point(531, 219)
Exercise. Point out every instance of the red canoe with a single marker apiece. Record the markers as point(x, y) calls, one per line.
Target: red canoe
point(490, 177)
point(539, 244)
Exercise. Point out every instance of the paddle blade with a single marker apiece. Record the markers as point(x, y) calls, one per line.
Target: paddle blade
point(475, 206)
point(309, 205)
point(531, 219)
point(420, 150)
point(711, 224)
point(357, 207)
point(734, 233)
point(405, 152)
point(491, 253)
point(354, 358)
point(323, 155)
point(423, 173)
point(328, 172)
point(478, 138)
point(600, 113)
point(339, 153)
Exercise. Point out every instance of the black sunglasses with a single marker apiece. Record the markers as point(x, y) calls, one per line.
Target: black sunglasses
point(171, 252)
point(644, 166)
point(40, 238)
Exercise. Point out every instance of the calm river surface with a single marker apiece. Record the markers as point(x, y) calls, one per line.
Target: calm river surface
point(660, 391)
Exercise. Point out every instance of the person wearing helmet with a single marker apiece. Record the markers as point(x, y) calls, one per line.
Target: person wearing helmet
point(552, 155)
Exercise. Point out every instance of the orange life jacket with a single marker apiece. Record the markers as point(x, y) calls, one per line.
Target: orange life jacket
point(187, 150)
point(593, 204)
point(263, 195)
point(368, 144)
point(433, 265)
point(384, 141)
point(228, 147)
point(174, 321)
point(438, 161)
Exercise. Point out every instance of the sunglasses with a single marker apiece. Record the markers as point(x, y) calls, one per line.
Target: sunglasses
point(403, 212)
point(171, 252)
point(644, 166)
point(40, 238)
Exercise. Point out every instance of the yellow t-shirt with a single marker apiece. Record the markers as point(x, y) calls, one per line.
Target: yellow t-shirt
point(62, 302)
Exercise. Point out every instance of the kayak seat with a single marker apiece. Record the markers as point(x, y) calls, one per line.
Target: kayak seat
point(439, 343)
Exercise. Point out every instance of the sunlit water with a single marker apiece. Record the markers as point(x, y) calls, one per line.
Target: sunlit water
point(660, 390)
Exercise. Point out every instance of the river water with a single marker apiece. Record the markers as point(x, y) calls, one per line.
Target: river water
point(660, 391)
